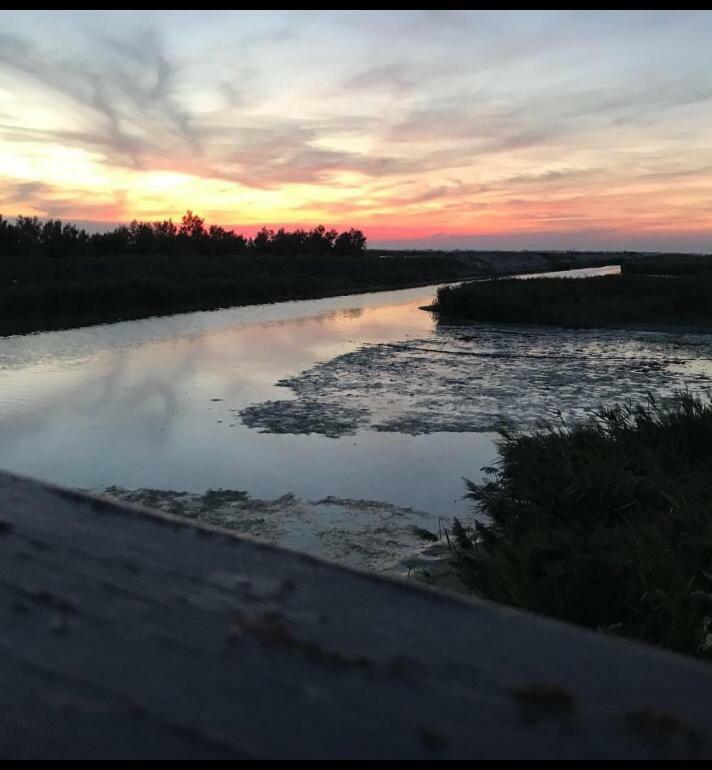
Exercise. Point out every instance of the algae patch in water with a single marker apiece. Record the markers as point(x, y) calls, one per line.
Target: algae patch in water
point(474, 378)
point(368, 534)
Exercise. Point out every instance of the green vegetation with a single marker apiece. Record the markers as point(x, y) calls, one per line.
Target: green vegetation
point(55, 275)
point(668, 264)
point(604, 301)
point(607, 524)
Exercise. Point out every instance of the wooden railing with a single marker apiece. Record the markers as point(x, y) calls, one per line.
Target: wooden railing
point(126, 633)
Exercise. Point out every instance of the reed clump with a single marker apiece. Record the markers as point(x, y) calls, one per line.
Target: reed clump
point(606, 523)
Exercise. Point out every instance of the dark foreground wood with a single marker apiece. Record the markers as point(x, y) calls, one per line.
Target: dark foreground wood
point(126, 633)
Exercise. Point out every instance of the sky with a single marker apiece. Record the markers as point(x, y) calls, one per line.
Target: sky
point(435, 129)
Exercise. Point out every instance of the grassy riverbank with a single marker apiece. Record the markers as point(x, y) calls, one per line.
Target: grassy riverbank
point(605, 301)
point(55, 274)
point(607, 524)
point(668, 264)
point(47, 293)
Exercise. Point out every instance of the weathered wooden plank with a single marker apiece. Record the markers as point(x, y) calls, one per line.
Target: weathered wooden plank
point(128, 633)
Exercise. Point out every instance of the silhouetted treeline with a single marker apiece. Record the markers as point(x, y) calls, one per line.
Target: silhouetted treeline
point(55, 275)
point(32, 237)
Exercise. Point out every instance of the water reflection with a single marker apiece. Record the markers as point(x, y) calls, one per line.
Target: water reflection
point(154, 402)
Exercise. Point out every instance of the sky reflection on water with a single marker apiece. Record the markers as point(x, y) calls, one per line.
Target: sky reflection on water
point(153, 403)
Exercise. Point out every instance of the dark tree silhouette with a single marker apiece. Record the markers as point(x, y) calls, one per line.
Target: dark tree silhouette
point(29, 238)
point(350, 243)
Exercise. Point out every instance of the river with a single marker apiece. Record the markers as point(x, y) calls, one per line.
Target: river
point(166, 402)
point(153, 403)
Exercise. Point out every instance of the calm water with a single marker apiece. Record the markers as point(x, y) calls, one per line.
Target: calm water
point(152, 403)
point(133, 404)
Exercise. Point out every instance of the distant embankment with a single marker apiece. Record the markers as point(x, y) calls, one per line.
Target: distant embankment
point(504, 262)
point(666, 290)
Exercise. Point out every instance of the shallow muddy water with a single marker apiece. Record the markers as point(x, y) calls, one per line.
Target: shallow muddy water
point(333, 402)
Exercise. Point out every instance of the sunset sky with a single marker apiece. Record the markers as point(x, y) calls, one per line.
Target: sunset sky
point(435, 129)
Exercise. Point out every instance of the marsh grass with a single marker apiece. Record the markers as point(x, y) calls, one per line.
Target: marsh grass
point(668, 264)
point(603, 301)
point(606, 523)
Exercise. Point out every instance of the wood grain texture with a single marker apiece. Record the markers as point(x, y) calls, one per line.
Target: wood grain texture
point(126, 633)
